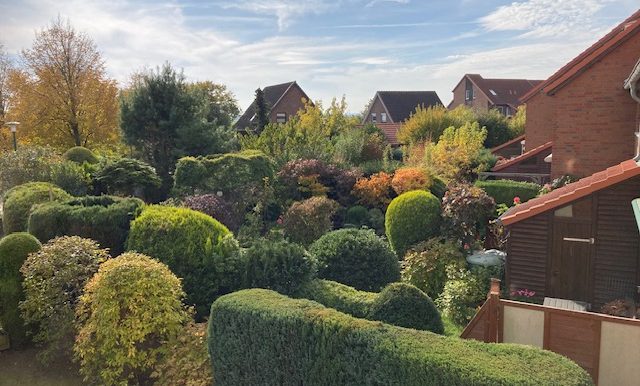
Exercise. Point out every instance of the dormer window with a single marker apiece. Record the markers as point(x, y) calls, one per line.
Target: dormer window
point(281, 117)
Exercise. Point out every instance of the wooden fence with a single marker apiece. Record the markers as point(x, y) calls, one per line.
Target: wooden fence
point(608, 347)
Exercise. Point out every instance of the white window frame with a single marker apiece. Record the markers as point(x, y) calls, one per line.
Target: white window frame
point(374, 119)
point(281, 117)
point(383, 117)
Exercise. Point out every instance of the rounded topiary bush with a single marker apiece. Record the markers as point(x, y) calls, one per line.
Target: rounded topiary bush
point(19, 200)
point(356, 257)
point(54, 279)
point(80, 154)
point(14, 250)
point(412, 217)
point(404, 305)
point(129, 308)
point(196, 247)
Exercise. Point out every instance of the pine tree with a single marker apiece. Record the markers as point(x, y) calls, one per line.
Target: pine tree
point(262, 111)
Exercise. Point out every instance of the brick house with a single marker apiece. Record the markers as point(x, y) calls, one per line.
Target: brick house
point(484, 94)
point(397, 106)
point(282, 100)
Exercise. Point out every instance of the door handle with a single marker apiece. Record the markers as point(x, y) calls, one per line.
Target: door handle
point(578, 240)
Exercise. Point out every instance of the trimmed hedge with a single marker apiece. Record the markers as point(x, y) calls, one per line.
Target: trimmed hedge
point(259, 337)
point(196, 247)
point(412, 217)
point(356, 257)
point(338, 296)
point(19, 200)
point(80, 155)
point(504, 191)
point(14, 250)
point(105, 219)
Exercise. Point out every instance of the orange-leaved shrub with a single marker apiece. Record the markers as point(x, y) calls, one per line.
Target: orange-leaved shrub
point(406, 179)
point(374, 191)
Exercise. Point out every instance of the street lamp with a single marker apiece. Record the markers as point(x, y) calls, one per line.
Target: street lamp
point(13, 126)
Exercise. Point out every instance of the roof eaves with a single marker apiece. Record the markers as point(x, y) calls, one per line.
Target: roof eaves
point(522, 157)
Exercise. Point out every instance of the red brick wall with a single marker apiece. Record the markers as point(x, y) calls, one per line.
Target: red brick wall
point(290, 103)
point(541, 121)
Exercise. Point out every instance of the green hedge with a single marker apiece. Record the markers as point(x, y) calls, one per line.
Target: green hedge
point(503, 191)
point(105, 219)
point(412, 217)
point(14, 250)
point(338, 296)
point(19, 200)
point(79, 154)
point(259, 337)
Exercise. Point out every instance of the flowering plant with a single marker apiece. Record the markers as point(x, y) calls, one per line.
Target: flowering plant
point(516, 200)
point(523, 295)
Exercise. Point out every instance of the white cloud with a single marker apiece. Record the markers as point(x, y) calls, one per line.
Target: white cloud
point(284, 10)
point(374, 2)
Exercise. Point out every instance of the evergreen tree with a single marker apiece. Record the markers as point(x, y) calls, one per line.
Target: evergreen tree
point(262, 111)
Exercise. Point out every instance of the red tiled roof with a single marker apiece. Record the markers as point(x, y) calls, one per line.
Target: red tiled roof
point(522, 157)
point(588, 57)
point(390, 131)
point(510, 142)
point(572, 192)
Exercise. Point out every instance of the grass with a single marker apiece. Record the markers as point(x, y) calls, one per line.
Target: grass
point(20, 367)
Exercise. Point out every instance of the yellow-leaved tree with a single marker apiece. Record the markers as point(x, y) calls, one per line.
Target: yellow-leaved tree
point(427, 124)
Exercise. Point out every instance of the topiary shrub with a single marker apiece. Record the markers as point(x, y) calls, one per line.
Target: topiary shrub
point(210, 204)
point(356, 257)
point(54, 279)
point(425, 264)
point(14, 250)
point(80, 155)
point(195, 246)
point(105, 219)
point(251, 329)
point(337, 296)
point(404, 305)
point(278, 265)
point(504, 191)
point(409, 178)
point(127, 311)
point(126, 177)
point(71, 177)
point(412, 217)
point(19, 200)
point(305, 221)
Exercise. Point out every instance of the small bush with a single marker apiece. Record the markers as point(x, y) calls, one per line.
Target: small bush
point(463, 294)
point(80, 155)
point(259, 337)
point(216, 207)
point(412, 217)
point(404, 305)
point(466, 211)
point(376, 220)
point(278, 265)
point(305, 221)
point(54, 279)
point(19, 200)
point(27, 164)
point(105, 219)
point(504, 191)
point(374, 191)
point(14, 250)
point(71, 177)
point(357, 216)
point(407, 179)
point(126, 177)
point(425, 265)
point(356, 257)
point(195, 246)
point(128, 310)
point(338, 296)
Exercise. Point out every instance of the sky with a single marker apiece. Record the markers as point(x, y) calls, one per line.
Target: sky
point(330, 47)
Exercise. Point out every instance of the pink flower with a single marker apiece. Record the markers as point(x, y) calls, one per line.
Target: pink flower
point(466, 247)
point(279, 221)
point(516, 200)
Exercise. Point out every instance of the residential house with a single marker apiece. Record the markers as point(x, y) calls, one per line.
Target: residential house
point(484, 94)
point(283, 101)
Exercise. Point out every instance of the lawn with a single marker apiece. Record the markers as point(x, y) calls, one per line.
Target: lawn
point(22, 368)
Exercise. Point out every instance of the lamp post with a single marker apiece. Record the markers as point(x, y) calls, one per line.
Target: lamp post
point(13, 126)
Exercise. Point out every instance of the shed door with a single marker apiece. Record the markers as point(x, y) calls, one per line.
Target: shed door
point(572, 252)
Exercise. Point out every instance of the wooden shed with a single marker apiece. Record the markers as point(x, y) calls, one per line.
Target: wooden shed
point(578, 242)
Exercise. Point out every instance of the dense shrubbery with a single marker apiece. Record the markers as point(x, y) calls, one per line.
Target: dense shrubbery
point(19, 200)
point(338, 296)
point(14, 250)
point(357, 145)
point(80, 155)
point(504, 191)
point(105, 219)
point(305, 221)
point(250, 329)
point(127, 311)
point(54, 279)
point(404, 305)
point(466, 211)
point(126, 177)
point(195, 246)
point(278, 265)
point(412, 217)
point(27, 164)
point(356, 257)
point(425, 264)
point(71, 177)
point(216, 207)
point(407, 179)
point(463, 293)
point(357, 216)
point(374, 191)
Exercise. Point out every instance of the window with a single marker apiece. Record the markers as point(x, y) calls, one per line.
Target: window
point(468, 94)
point(281, 117)
point(373, 117)
point(383, 117)
point(501, 109)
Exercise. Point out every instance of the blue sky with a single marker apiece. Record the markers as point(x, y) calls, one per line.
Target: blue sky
point(331, 47)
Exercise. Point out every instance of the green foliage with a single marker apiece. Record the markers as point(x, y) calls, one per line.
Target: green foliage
point(262, 111)
point(196, 247)
point(338, 296)
point(278, 265)
point(127, 311)
point(356, 257)
point(412, 217)
point(466, 212)
point(425, 264)
point(504, 191)
point(228, 173)
point(53, 281)
point(518, 121)
point(404, 305)
point(305, 221)
point(126, 177)
point(71, 177)
point(497, 125)
point(220, 104)
point(359, 145)
point(357, 216)
point(428, 124)
point(80, 155)
point(105, 219)
point(14, 250)
point(19, 200)
point(28, 164)
point(250, 330)
point(463, 294)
